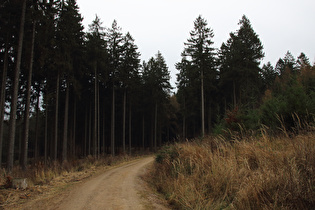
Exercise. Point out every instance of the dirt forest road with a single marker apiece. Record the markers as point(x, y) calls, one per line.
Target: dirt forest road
point(119, 188)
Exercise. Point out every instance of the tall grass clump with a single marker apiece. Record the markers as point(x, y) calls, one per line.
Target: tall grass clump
point(257, 173)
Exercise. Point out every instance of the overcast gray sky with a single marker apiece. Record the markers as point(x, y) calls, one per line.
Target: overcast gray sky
point(164, 25)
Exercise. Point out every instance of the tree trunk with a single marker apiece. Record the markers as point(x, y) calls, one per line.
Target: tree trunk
point(143, 132)
point(95, 110)
point(152, 134)
point(98, 121)
point(36, 129)
point(104, 117)
point(46, 135)
point(160, 135)
point(86, 130)
point(184, 120)
point(234, 94)
point(3, 86)
point(65, 126)
point(124, 122)
point(209, 118)
point(155, 127)
point(130, 129)
point(90, 130)
point(56, 117)
point(113, 124)
point(202, 108)
point(73, 146)
point(12, 128)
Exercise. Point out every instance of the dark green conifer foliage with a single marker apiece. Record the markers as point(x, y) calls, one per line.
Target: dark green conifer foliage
point(157, 92)
point(96, 52)
point(200, 54)
point(129, 75)
point(114, 39)
point(69, 47)
point(268, 75)
point(239, 60)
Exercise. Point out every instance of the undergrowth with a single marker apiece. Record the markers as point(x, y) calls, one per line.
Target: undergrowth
point(42, 177)
point(42, 173)
point(246, 173)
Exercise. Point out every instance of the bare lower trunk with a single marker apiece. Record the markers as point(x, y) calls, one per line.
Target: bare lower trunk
point(234, 94)
point(98, 121)
point(3, 86)
point(14, 98)
point(103, 151)
point(202, 108)
point(143, 132)
point(95, 111)
point(90, 130)
point(209, 119)
point(56, 118)
point(46, 135)
point(152, 134)
point(73, 146)
point(155, 127)
point(36, 128)
point(113, 124)
point(124, 122)
point(184, 120)
point(86, 131)
point(65, 127)
point(130, 129)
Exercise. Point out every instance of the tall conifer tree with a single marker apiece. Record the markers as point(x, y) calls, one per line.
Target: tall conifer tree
point(69, 46)
point(239, 60)
point(200, 53)
point(114, 40)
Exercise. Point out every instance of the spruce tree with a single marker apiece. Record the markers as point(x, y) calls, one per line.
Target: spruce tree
point(96, 51)
point(114, 39)
point(157, 92)
point(239, 60)
point(200, 54)
point(69, 46)
point(269, 75)
point(128, 75)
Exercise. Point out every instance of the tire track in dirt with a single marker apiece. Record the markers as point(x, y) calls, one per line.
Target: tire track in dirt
point(117, 188)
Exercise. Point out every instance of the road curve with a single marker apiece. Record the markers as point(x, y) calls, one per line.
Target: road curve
point(114, 189)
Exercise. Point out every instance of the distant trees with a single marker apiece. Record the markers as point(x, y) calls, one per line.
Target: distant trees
point(290, 96)
point(233, 87)
point(234, 70)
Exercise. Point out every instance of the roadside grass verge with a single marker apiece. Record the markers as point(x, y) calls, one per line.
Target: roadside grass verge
point(53, 176)
point(246, 173)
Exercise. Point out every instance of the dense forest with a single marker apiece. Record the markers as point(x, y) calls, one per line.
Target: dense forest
point(69, 93)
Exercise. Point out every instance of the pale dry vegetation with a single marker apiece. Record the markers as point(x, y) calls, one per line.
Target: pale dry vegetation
point(244, 173)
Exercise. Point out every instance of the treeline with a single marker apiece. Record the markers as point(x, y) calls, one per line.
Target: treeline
point(226, 88)
point(67, 93)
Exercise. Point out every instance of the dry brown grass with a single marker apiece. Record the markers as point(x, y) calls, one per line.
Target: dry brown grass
point(256, 173)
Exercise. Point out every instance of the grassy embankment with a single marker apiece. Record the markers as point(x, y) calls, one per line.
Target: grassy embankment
point(240, 173)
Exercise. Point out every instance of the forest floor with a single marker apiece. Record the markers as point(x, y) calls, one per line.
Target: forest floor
point(117, 187)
